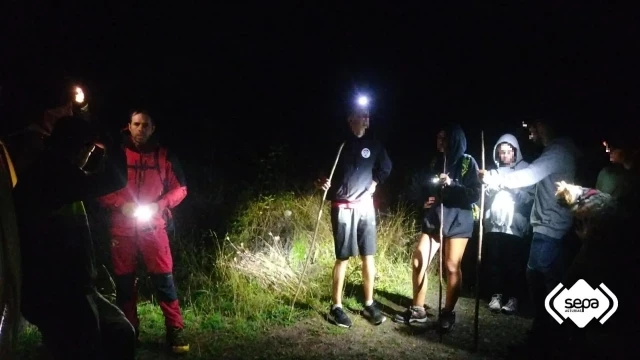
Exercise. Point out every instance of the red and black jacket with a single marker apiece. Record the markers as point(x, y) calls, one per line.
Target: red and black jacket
point(154, 175)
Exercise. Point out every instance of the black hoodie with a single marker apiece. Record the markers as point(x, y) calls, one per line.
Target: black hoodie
point(465, 188)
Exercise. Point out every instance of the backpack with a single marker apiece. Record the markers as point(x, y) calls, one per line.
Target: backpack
point(161, 167)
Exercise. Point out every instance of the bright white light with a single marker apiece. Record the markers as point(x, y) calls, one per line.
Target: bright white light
point(143, 213)
point(435, 180)
point(79, 97)
point(606, 146)
point(502, 211)
point(363, 101)
point(524, 124)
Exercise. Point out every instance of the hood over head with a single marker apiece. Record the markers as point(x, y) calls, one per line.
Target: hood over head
point(456, 142)
point(511, 140)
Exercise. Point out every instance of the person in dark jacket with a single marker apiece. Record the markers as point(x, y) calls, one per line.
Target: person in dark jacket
point(59, 295)
point(363, 165)
point(617, 179)
point(458, 188)
point(505, 223)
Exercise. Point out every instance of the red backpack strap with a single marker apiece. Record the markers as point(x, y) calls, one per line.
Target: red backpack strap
point(161, 165)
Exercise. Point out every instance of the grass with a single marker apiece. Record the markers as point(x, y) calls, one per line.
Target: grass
point(241, 289)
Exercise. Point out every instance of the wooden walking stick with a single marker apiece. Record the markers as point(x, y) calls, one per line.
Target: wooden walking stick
point(315, 233)
point(479, 260)
point(441, 248)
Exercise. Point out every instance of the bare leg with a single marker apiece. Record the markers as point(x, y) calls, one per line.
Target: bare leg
point(422, 257)
point(368, 277)
point(453, 252)
point(339, 270)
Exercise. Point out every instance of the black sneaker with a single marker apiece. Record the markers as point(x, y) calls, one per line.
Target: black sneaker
point(412, 315)
point(338, 317)
point(446, 321)
point(373, 314)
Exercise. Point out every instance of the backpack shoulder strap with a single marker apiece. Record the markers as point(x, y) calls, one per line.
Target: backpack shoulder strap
point(465, 164)
point(160, 155)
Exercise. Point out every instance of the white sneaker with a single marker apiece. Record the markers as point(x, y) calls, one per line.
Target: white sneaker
point(495, 303)
point(511, 306)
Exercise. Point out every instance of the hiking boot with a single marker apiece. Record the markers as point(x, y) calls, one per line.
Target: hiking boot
point(176, 340)
point(446, 321)
point(338, 317)
point(373, 314)
point(511, 306)
point(413, 314)
point(496, 303)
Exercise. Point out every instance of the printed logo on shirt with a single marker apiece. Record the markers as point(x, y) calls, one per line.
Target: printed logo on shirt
point(365, 153)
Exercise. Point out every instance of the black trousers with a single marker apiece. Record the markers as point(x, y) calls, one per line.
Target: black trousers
point(85, 327)
point(507, 262)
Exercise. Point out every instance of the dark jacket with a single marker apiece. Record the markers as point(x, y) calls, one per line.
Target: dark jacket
point(58, 258)
point(362, 161)
point(465, 188)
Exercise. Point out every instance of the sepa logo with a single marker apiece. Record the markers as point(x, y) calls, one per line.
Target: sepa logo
point(581, 303)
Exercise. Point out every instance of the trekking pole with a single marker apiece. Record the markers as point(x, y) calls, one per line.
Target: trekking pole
point(315, 233)
point(479, 260)
point(441, 248)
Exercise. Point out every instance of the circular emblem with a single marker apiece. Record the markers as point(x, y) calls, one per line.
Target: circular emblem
point(365, 153)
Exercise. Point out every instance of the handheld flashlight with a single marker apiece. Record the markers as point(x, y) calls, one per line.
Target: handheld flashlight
point(143, 213)
point(435, 180)
point(79, 95)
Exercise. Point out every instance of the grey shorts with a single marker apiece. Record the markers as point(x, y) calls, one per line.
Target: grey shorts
point(354, 231)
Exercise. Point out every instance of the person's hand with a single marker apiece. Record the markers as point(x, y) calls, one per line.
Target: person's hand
point(445, 179)
point(322, 184)
point(372, 188)
point(429, 203)
point(482, 174)
point(491, 180)
point(128, 209)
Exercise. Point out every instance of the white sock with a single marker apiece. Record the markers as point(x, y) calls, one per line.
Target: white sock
point(336, 306)
point(368, 303)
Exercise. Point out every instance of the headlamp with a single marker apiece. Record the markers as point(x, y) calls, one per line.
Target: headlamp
point(606, 146)
point(363, 101)
point(143, 213)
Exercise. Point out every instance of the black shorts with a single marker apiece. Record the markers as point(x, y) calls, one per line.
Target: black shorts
point(354, 231)
point(458, 223)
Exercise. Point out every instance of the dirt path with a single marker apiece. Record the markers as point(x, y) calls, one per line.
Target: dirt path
point(315, 338)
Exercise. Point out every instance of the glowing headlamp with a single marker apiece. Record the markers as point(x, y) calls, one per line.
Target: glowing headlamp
point(524, 125)
point(363, 101)
point(606, 146)
point(78, 95)
point(143, 213)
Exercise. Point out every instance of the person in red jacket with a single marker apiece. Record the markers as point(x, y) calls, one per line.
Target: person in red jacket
point(138, 222)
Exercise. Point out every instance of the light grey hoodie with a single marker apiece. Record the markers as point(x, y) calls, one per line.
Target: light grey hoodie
point(508, 210)
point(556, 163)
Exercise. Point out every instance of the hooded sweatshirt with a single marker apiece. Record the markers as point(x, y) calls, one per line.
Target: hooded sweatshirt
point(457, 198)
point(556, 163)
point(508, 210)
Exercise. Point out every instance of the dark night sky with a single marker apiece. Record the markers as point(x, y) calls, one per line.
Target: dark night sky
point(243, 77)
